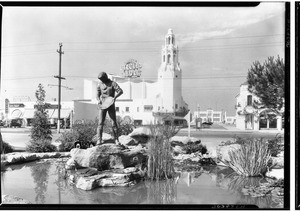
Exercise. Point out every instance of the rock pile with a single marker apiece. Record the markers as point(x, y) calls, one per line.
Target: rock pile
point(106, 165)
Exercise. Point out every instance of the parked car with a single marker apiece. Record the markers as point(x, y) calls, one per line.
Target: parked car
point(206, 124)
point(15, 123)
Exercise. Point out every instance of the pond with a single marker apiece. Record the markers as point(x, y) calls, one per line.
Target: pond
point(43, 182)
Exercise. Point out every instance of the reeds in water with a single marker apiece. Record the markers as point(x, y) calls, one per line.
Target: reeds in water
point(251, 159)
point(160, 159)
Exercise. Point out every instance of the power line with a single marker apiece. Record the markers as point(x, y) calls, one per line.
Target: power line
point(27, 78)
point(143, 41)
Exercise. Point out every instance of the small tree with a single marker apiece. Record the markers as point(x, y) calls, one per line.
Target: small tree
point(40, 133)
point(266, 81)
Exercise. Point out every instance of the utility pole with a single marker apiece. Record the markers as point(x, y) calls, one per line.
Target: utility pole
point(59, 85)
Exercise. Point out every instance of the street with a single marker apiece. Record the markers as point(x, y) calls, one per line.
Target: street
point(19, 137)
point(211, 137)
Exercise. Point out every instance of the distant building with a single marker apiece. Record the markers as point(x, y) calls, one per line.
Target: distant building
point(230, 120)
point(25, 111)
point(210, 115)
point(145, 101)
point(250, 118)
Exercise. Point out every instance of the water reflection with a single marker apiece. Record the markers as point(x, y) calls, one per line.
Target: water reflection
point(209, 185)
point(161, 192)
point(40, 175)
point(234, 182)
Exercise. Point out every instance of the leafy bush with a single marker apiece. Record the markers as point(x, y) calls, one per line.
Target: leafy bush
point(275, 145)
point(125, 126)
point(41, 145)
point(86, 130)
point(67, 140)
point(251, 159)
point(5, 147)
point(192, 147)
point(160, 159)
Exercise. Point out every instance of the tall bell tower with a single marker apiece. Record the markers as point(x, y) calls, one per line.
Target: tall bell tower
point(170, 76)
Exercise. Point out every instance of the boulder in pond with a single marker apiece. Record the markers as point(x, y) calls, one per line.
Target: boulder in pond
point(90, 178)
point(223, 152)
point(109, 156)
point(183, 140)
point(9, 199)
point(141, 131)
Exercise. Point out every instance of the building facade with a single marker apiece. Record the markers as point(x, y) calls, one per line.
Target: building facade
point(248, 117)
point(211, 116)
point(144, 100)
point(24, 111)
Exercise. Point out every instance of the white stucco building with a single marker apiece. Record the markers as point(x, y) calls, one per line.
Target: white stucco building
point(144, 100)
point(24, 110)
point(211, 116)
point(250, 118)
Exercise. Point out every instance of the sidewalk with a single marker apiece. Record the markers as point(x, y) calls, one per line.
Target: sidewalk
point(226, 128)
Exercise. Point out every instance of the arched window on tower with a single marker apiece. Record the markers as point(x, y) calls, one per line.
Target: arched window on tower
point(169, 58)
point(249, 100)
point(169, 40)
point(164, 58)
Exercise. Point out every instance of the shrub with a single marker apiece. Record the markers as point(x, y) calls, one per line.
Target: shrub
point(275, 145)
point(40, 132)
point(160, 160)
point(251, 159)
point(67, 140)
point(125, 126)
point(192, 147)
point(86, 130)
point(40, 145)
point(5, 147)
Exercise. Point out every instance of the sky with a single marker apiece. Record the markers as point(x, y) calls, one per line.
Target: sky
point(217, 46)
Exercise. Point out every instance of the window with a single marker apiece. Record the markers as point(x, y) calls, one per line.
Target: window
point(117, 109)
point(148, 108)
point(164, 58)
point(138, 109)
point(216, 119)
point(127, 109)
point(209, 113)
point(176, 105)
point(216, 115)
point(249, 100)
point(169, 58)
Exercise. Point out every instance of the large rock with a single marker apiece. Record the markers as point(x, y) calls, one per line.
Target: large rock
point(276, 173)
point(23, 157)
point(223, 152)
point(141, 131)
point(109, 156)
point(183, 140)
point(8, 199)
point(89, 178)
point(127, 140)
point(277, 162)
point(106, 138)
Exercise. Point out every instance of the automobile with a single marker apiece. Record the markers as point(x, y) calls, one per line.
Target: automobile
point(206, 124)
point(2, 123)
point(15, 123)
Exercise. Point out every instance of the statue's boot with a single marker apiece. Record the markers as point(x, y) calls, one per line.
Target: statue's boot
point(116, 135)
point(99, 136)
